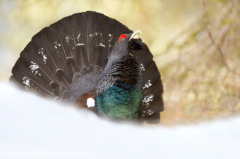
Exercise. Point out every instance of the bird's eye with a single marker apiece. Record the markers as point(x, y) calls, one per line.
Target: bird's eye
point(122, 37)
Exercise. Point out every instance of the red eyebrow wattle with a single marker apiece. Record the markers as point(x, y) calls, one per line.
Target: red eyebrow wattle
point(122, 36)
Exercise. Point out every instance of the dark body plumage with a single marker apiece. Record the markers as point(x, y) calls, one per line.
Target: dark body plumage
point(118, 93)
point(81, 54)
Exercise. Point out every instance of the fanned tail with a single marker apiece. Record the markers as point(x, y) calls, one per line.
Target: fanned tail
point(59, 55)
point(152, 87)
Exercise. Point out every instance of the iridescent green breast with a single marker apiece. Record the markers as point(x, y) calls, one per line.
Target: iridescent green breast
point(121, 102)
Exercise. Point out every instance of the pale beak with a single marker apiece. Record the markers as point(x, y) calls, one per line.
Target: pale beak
point(136, 35)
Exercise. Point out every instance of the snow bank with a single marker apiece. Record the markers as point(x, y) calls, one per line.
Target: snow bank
point(31, 127)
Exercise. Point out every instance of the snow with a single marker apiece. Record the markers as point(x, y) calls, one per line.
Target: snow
point(32, 127)
point(90, 102)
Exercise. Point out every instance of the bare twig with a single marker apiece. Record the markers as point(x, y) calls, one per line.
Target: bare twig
point(235, 6)
point(206, 23)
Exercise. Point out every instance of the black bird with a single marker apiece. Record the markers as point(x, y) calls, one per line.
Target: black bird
point(92, 61)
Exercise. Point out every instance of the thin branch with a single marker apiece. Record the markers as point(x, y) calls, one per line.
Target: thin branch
point(206, 23)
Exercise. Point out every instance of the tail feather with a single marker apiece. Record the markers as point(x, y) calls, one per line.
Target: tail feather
point(72, 66)
point(37, 53)
point(152, 87)
point(78, 26)
point(99, 41)
point(24, 75)
point(144, 56)
point(102, 37)
point(71, 48)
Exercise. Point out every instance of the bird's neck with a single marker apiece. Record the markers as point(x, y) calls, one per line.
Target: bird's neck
point(125, 71)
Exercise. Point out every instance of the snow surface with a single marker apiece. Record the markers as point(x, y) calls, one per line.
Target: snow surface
point(31, 127)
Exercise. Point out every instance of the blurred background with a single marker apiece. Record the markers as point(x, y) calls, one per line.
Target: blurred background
point(195, 44)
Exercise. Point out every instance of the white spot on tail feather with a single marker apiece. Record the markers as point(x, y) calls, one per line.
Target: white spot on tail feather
point(78, 37)
point(26, 81)
point(34, 68)
point(147, 99)
point(148, 112)
point(101, 44)
point(90, 102)
point(79, 44)
point(55, 99)
point(51, 83)
point(97, 34)
point(110, 38)
point(40, 52)
point(67, 38)
point(142, 68)
point(55, 44)
point(147, 85)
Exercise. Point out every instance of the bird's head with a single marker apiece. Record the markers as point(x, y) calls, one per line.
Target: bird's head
point(126, 45)
point(122, 64)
